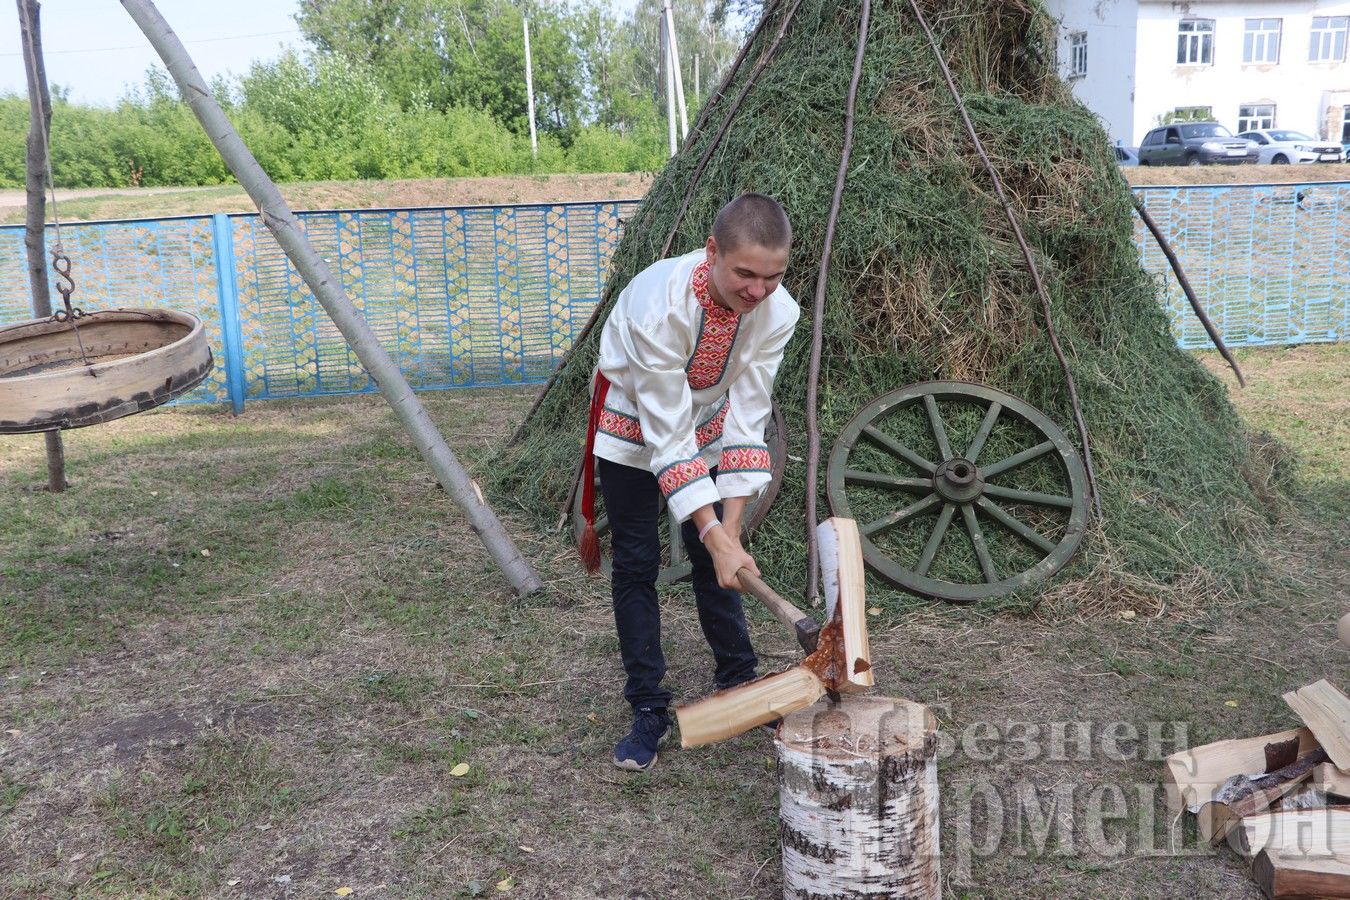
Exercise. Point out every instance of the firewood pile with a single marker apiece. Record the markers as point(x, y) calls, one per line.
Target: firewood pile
point(1281, 800)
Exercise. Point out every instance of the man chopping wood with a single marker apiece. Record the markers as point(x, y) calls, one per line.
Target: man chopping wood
point(680, 400)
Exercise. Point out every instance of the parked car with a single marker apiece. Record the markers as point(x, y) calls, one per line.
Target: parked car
point(1194, 144)
point(1280, 147)
point(1127, 156)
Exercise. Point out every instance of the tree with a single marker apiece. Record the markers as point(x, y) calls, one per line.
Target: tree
point(450, 53)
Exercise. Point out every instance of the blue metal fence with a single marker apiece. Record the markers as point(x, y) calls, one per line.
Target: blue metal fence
point(1270, 262)
point(494, 295)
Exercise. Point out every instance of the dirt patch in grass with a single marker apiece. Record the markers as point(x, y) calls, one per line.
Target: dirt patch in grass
point(284, 717)
point(1245, 174)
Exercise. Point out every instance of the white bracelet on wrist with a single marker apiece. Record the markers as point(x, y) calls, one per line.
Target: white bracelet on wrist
point(703, 532)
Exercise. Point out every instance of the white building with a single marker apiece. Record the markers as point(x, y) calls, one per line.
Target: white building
point(1254, 64)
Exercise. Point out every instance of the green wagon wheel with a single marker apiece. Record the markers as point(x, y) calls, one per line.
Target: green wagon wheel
point(962, 492)
point(675, 564)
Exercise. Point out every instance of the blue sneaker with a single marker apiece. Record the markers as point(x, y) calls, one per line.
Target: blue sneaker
point(637, 751)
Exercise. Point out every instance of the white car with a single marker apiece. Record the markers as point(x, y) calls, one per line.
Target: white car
point(1280, 146)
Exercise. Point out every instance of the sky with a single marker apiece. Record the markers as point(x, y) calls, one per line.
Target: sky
point(93, 48)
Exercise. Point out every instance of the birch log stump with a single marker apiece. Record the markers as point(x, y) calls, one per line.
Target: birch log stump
point(859, 800)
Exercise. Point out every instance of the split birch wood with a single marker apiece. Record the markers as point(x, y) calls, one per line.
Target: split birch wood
point(1301, 879)
point(1191, 777)
point(1325, 709)
point(1332, 780)
point(327, 288)
point(841, 563)
point(1299, 854)
point(841, 662)
point(735, 711)
point(859, 800)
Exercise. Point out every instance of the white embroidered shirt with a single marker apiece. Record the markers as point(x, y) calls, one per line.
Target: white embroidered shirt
point(690, 383)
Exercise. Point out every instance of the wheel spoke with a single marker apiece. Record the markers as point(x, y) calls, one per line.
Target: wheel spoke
point(973, 454)
point(1007, 520)
point(917, 485)
point(939, 432)
point(935, 539)
point(1032, 497)
point(977, 541)
point(887, 442)
point(1018, 459)
point(893, 519)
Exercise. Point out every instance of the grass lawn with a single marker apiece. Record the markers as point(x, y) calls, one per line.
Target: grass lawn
point(251, 657)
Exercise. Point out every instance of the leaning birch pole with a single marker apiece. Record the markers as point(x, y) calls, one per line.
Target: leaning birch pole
point(673, 50)
point(285, 227)
point(34, 238)
point(858, 800)
point(529, 90)
point(668, 71)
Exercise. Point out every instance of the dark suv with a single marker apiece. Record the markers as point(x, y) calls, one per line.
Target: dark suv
point(1195, 144)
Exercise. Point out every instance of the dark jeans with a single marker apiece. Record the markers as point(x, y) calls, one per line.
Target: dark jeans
point(632, 502)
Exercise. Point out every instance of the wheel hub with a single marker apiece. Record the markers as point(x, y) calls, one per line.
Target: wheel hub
point(958, 480)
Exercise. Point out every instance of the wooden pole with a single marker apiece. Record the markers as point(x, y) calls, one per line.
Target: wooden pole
point(673, 50)
point(34, 239)
point(327, 288)
point(529, 90)
point(858, 800)
point(669, 73)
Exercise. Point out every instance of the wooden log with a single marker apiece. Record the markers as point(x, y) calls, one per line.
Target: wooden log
point(34, 239)
point(1192, 776)
point(731, 712)
point(1298, 853)
point(858, 798)
point(1325, 709)
point(1247, 795)
point(1301, 879)
point(841, 564)
point(841, 661)
point(1332, 780)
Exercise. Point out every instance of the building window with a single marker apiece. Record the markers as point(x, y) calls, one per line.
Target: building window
point(1327, 43)
point(1261, 42)
point(1256, 117)
point(1195, 42)
point(1345, 125)
point(1078, 54)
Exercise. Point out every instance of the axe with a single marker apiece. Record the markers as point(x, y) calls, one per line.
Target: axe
point(803, 627)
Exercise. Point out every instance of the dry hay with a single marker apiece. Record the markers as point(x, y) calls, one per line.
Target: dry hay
point(926, 282)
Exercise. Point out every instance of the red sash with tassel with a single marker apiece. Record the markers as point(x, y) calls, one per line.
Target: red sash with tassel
point(590, 544)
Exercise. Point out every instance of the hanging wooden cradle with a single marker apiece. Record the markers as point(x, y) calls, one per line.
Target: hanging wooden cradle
point(132, 360)
point(74, 369)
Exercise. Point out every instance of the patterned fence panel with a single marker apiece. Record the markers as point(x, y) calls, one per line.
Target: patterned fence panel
point(150, 263)
point(461, 297)
point(1270, 263)
point(495, 295)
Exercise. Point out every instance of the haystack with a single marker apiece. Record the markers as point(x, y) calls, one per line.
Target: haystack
point(926, 282)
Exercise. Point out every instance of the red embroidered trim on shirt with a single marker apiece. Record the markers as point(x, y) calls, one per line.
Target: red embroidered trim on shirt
point(620, 425)
point(629, 428)
point(742, 458)
point(711, 430)
point(716, 334)
point(678, 476)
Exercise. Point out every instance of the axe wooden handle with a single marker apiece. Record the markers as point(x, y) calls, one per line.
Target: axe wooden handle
point(805, 628)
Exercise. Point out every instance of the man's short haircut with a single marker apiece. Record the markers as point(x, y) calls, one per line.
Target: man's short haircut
point(752, 219)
